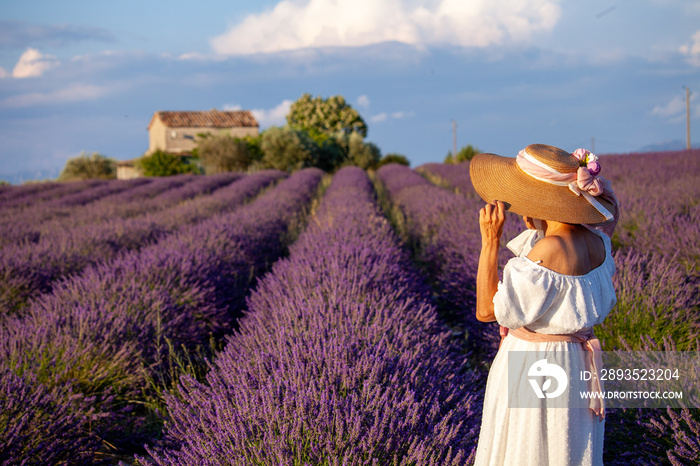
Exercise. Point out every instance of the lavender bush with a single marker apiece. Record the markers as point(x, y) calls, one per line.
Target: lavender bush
point(10, 192)
point(661, 218)
point(42, 426)
point(656, 241)
point(451, 176)
point(340, 360)
point(18, 196)
point(648, 437)
point(153, 188)
point(655, 299)
point(90, 195)
point(111, 329)
point(657, 263)
point(658, 260)
point(29, 224)
point(443, 228)
point(659, 194)
point(28, 269)
point(686, 435)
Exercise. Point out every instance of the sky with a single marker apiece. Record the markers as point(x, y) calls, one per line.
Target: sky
point(610, 76)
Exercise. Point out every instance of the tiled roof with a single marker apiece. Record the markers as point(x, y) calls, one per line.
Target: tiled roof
point(210, 119)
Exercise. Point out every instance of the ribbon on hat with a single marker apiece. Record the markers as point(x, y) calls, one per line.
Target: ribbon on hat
point(608, 227)
point(580, 182)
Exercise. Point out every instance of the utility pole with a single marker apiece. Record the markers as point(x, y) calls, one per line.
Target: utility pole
point(687, 118)
point(454, 139)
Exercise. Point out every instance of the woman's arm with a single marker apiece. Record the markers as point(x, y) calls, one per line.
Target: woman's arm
point(491, 219)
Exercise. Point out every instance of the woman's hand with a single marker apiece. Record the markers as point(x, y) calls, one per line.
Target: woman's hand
point(491, 219)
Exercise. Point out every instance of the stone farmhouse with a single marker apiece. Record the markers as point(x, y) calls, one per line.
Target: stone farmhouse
point(176, 132)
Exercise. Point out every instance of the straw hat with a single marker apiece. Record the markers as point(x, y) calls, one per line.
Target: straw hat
point(501, 178)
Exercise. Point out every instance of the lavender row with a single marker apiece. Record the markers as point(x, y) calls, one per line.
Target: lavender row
point(648, 437)
point(10, 193)
point(17, 196)
point(31, 269)
point(41, 425)
point(33, 210)
point(155, 186)
point(454, 176)
point(658, 301)
point(90, 195)
point(107, 333)
point(340, 359)
point(30, 224)
point(656, 244)
point(443, 229)
point(655, 295)
point(658, 193)
point(658, 309)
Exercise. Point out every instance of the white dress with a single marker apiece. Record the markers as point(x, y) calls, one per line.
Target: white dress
point(546, 302)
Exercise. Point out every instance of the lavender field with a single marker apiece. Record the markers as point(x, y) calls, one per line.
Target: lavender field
point(303, 319)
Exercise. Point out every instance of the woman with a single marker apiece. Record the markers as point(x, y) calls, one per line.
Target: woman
point(556, 289)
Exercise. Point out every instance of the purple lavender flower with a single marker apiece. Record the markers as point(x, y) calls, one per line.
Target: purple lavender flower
point(41, 425)
point(108, 331)
point(443, 229)
point(31, 268)
point(340, 360)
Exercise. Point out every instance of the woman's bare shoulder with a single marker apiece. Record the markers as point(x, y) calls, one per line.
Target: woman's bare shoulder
point(569, 256)
point(547, 248)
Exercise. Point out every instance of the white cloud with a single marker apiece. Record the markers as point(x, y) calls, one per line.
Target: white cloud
point(395, 115)
point(276, 116)
point(672, 108)
point(3, 73)
point(298, 24)
point(692, 50)
point(73, 93)
point(110, 54)
point(675, 109)
point(363, 101)
point(400, 115)
point(33, 63)
point(194, 56)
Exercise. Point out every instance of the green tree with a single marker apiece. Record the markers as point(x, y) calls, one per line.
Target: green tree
point(223, 153)
point(465, 154)
point(332, 153)
point(358, 152)
point(254, 145)
point(84, 167)
point(288, 149)
point(161, 163)
point(319, 116)
point(394, 158)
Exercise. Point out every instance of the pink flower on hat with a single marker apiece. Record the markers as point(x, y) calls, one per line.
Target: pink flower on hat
point(587, 159)
point(581, 155)
point(593, 168)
